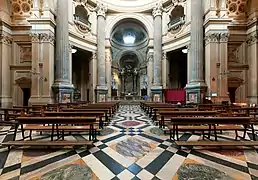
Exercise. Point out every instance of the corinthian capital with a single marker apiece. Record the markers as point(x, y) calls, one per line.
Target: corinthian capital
point(101, 9)
point(157, 10)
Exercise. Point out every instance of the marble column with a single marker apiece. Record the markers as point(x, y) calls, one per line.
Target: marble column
point(5, 57)
point(62, 87)
point(101, 88)
point(196, 87)
point(156, 88)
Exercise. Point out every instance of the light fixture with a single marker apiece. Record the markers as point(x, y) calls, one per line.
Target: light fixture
point(184, 51)
point(74, 51)
point(129, 38)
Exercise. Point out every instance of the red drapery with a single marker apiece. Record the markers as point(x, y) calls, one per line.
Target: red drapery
point(175, 95)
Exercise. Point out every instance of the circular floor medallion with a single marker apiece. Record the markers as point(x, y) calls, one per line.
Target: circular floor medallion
point(131, 123)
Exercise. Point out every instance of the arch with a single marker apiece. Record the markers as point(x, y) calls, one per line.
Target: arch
point(125, 52)
point(146, 23)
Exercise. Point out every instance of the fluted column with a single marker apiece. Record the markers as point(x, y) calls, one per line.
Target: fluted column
point(196, 86)
point(156, 89)
point(102, 89)
point(62, 86)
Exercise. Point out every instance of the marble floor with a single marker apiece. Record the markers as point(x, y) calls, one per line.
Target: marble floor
point(129, 148)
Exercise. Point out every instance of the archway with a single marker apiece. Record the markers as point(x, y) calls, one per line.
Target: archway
point(129, 43)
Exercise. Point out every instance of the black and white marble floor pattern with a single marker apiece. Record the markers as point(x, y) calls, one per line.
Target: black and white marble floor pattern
point(131, 147)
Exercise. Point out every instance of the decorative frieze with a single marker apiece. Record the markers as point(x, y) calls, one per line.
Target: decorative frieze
point(6, 40)
point(216, 37)
point(252, 38)
point(42, 37)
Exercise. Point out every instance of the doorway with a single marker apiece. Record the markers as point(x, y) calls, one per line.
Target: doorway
point(26, 96)
point(177, 69)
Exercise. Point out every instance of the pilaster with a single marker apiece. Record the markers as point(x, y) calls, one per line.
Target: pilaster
point(150, 70)
point(252, 42)
point(108, 71)
point(93, 76)
point(223, 74)
point(42, 68)
point(164, 70)
point(5, 57)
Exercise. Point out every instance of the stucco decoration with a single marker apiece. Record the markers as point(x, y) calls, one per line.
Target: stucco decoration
point(236, 9)
point(21, 8)
point(177, 19)
point(81, 17)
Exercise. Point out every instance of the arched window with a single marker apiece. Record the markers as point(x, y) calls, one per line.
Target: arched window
point(81, 14)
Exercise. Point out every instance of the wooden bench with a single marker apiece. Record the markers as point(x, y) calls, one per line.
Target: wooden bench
point(55, 124)
point(218, 144)
point(166, 115)
point(47, 143)
point(211, 123)
point(75, 113)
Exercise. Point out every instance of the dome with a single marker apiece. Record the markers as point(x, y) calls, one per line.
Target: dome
point(129, 34)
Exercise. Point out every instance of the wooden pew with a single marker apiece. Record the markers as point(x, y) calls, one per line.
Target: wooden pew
point(167, 115)
point(55, 126)
point(213, 124)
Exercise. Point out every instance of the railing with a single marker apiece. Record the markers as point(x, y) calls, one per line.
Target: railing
point(82, 20)
point(176, 22)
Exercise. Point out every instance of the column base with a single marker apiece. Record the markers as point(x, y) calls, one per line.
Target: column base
point(195, 92)
point(156, 93)
point(6, 102)
point(101, 93)
point(63, 93)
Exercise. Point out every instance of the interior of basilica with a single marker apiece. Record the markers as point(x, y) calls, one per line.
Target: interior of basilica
point(128, 89)
point(101, 51)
